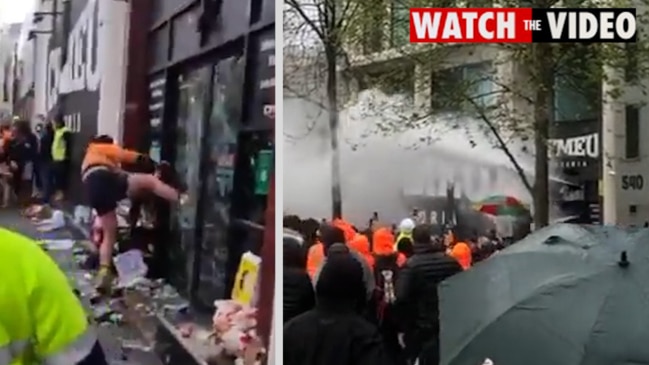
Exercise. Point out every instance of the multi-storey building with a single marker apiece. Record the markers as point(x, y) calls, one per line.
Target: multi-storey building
point(625, 157)
point(596, 135)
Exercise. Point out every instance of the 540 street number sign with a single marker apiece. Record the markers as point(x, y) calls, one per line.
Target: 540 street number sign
point(632, 182)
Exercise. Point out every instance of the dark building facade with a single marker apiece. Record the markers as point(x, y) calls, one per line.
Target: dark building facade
point(74, 77)
point(210, 77)
point(576, 161)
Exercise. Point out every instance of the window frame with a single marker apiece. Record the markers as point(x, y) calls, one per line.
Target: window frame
point(632, 129)
point(450, 75)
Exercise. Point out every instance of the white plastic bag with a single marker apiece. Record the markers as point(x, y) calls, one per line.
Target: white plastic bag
point(130, 267)
point(57, 221)
point(58, 245)
point(82, 214)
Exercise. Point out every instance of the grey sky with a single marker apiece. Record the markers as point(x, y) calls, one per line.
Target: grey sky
point(14, 11)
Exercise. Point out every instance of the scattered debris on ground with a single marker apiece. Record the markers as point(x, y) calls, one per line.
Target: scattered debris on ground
point(146, 306)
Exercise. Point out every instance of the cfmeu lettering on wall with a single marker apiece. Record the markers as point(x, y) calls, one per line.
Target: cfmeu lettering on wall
point(521, 25)
point(81, 71)
point(580, 146)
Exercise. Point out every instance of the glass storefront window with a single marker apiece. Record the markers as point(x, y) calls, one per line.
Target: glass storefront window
point(187, 163)
point(222, 132)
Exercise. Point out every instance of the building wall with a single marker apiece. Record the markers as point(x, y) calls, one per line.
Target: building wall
point(9, 35)
point(625, 181)
point(42, 42)
point(25, 61)
point(21, 58)
point(136, 108)
point(86, 67)
point(83, 69)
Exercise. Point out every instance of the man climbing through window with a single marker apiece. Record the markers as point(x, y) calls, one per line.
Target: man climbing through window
point(106, 184)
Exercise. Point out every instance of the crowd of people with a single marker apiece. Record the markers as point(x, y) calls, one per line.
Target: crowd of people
point(34, 163)
point(354, 296)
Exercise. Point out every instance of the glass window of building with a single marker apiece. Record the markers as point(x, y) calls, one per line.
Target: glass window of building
point(632, 132)
point(462, 88)
point(575, 98)
point(399, 23)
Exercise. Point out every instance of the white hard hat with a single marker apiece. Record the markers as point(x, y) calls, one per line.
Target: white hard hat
point(406, 225)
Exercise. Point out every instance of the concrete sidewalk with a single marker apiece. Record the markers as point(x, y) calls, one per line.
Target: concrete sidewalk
point(123, 343)
point(155, 316)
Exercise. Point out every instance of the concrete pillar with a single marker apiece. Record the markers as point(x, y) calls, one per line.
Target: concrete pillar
point(612, 122)
point(112, 48)
point(136, 114)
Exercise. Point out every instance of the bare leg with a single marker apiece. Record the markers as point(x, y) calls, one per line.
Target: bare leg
point(138, 183)
point(109, 227)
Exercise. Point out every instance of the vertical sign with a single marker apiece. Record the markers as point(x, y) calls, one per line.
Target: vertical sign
point(265, 80)
point(263, 167)
point(156, 108)
point(575, 159)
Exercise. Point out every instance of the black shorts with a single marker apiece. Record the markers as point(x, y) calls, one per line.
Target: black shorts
point(104, 188)
point(95, 357)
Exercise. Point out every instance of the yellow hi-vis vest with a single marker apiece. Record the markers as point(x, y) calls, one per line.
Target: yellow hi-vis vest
point(41, 319)
point(58, 144)
point(401, 235)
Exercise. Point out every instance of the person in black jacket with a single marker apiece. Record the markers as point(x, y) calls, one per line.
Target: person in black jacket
point(23, 152)
point(44, 158)
point(335, 332)
point(38, 132)
point(299, 296)
point(416, 295)
point(329, 235)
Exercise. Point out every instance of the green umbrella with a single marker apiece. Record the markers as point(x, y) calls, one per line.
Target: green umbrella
point(559, 297)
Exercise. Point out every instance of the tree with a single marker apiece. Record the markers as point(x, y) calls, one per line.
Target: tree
point(321, 36)
point(318, 27)
point(522, 105)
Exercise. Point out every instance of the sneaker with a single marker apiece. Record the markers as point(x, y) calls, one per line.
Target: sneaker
point(104, 280)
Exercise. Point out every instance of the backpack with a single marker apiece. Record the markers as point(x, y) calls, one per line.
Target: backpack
point(385, 274)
